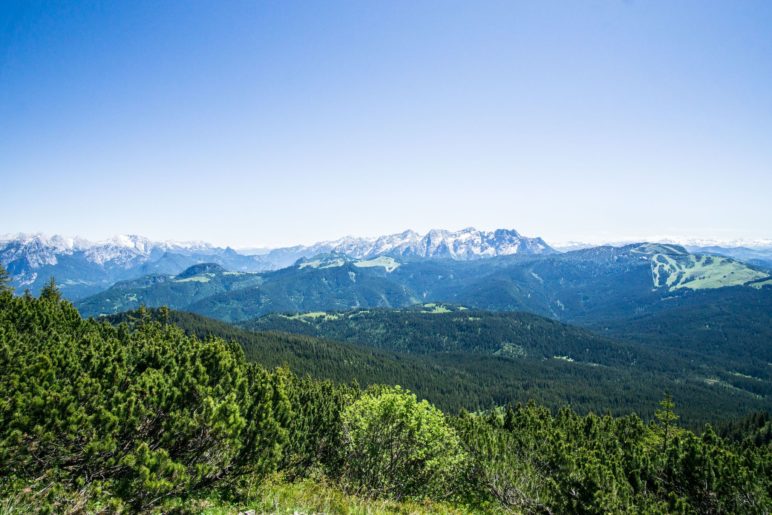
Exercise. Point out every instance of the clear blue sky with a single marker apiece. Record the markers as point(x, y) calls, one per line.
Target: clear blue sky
point(268, 123)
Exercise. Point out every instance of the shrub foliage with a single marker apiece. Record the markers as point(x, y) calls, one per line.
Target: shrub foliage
point(145, 409)
point(398, 446)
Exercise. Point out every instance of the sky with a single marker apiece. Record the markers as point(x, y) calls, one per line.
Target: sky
point(255, 123)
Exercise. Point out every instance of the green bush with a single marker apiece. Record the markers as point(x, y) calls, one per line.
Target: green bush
point(531, 461)
point(142, 408)
point(399, 447)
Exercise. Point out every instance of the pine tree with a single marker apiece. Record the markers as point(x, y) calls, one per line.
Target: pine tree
point(5, 280)
point(667, 419)
point(50, 291)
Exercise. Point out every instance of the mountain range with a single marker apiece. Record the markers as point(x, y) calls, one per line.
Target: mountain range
point(83, 268)
point(465, 244)
point(585, 286)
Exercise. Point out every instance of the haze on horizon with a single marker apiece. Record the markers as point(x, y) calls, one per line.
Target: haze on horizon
point(262, 124)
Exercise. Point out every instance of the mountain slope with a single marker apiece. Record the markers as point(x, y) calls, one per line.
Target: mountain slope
point(602, 283)
point(432, 328)
point(713, 344)
point(197, 282)
point(760, 255)
point(474, 380)
point(588, 286)
point(733, 324)
point(325, 282)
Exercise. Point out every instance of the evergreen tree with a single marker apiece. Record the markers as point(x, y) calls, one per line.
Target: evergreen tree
point(50, 291)
point(5, 280)
point(667, 418)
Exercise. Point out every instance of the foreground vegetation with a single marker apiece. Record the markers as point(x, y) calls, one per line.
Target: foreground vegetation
point(142, 417)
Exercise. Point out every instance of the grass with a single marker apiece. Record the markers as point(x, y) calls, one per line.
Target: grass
point(205, 278)
point(700, 272)
point(389, 263)
point(275, 496)
point(312, 315)
point(435, 310)
point(309, 496)
point(320, 264)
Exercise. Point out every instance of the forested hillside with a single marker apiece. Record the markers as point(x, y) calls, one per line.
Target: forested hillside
point(194, 283)
point(724, 344)
point(142, 416)
point(541, 359)
point(431, 328)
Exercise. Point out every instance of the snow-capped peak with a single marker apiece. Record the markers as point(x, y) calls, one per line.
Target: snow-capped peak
point(40, 249)
point(467, 243)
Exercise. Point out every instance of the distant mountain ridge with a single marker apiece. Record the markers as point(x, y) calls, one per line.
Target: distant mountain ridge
point(468, 243)
point(83, 268)
point(593, 284)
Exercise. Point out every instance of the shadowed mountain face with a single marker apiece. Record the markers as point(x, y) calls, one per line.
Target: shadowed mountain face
point(197, 282)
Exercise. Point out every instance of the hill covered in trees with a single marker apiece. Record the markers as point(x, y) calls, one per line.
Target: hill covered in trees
point(460, 363)
point(432, 328)
point(722, 344)
point(141, 416)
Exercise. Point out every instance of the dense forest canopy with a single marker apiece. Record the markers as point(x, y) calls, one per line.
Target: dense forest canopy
point(629, 380)
point(141, 416)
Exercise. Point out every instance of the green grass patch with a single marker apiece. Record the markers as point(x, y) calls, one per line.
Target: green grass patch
point(389, 263)
point(700, 272)
point(196, 279)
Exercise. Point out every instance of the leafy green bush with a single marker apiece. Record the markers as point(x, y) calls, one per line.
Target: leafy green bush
point(531, 461)
point(145, 409)
point(397, 446)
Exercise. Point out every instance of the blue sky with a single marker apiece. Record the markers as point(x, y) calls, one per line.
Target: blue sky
point(270, 123)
